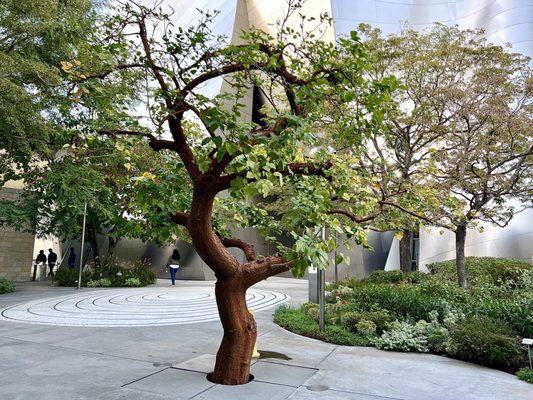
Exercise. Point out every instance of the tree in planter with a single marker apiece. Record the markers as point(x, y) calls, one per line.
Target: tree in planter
point(458, 145)
point(220, 151)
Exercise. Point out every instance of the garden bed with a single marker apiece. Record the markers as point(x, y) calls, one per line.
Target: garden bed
point(429, 313)
point(111, 274)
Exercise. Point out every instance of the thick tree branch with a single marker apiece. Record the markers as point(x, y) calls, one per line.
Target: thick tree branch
point(115, 68)
point(292, 169)
point(181, 218)
point(353, 217)
point(414, 214)
point(246, 248)
point(256, 271)
point(151, 63)
point(183, 149)
point(153, 142)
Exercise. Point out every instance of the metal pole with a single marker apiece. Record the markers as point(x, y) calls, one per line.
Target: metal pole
point(321, 275)
point(82, 244)
point(335, 259)
point(321, 309)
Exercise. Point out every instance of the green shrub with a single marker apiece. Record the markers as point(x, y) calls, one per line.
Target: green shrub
point(6, 286)
point(307, 305)
point(112, 273)
point(297, 321)
point(105, 282)
point(69, 277)
point(437, 334)
point(142, 271)
point(366, 328)
point(349, 320)
point(497, 271)
point(339, 292)
point(525, 280)
point(349, 282)
point(379, 318)
point(385, 277)
point(133, 282)
point(514, 312)
point(487, 343)
point(415, 277)
point(337, 335)
point(525, 374)
point(312, 312)
point(431, 312)
point(406, 301)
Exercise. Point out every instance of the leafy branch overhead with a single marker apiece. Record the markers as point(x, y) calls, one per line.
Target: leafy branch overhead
point(300, 80)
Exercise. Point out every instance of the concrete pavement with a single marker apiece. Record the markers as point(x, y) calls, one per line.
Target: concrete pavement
point(170, 362)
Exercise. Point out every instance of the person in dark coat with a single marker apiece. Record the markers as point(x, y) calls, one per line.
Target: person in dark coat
point(41, 257)
point(173, 265)
point(71, 258)
point(52, 259)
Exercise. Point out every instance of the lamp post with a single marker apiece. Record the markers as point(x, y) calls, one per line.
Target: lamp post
point(82, 244)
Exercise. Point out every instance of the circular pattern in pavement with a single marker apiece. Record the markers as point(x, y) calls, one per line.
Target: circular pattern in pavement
point(132, 307)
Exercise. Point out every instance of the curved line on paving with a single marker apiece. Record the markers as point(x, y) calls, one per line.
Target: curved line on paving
point(124, 308)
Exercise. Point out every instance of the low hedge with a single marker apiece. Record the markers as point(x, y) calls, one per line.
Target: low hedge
point(486, 343)
point(494, 270)
point(6, 286)
point(298, 321)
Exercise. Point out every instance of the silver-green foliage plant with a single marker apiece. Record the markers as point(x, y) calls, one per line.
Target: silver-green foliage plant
point(404, 336)
point(93, 283)
point(421, 336)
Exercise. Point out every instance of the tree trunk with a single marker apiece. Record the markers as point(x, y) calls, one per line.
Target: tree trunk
point(460, 262)
point(406, 262)
point(234, 355)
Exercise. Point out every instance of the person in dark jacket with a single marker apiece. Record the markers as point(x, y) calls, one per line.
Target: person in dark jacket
point(41, 257)
point(52, 259)
point(173, 265)
point(71, 258)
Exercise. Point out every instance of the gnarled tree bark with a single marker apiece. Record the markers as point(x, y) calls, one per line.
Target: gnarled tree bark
point(234, 356)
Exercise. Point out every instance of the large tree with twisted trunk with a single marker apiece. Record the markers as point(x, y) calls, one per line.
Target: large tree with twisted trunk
point(218, 162)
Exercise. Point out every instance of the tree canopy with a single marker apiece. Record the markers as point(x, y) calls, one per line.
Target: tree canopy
point(457, 143)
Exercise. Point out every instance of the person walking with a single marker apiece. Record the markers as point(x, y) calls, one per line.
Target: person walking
point(71, 259)
point(52, 259)
point(173, 265)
